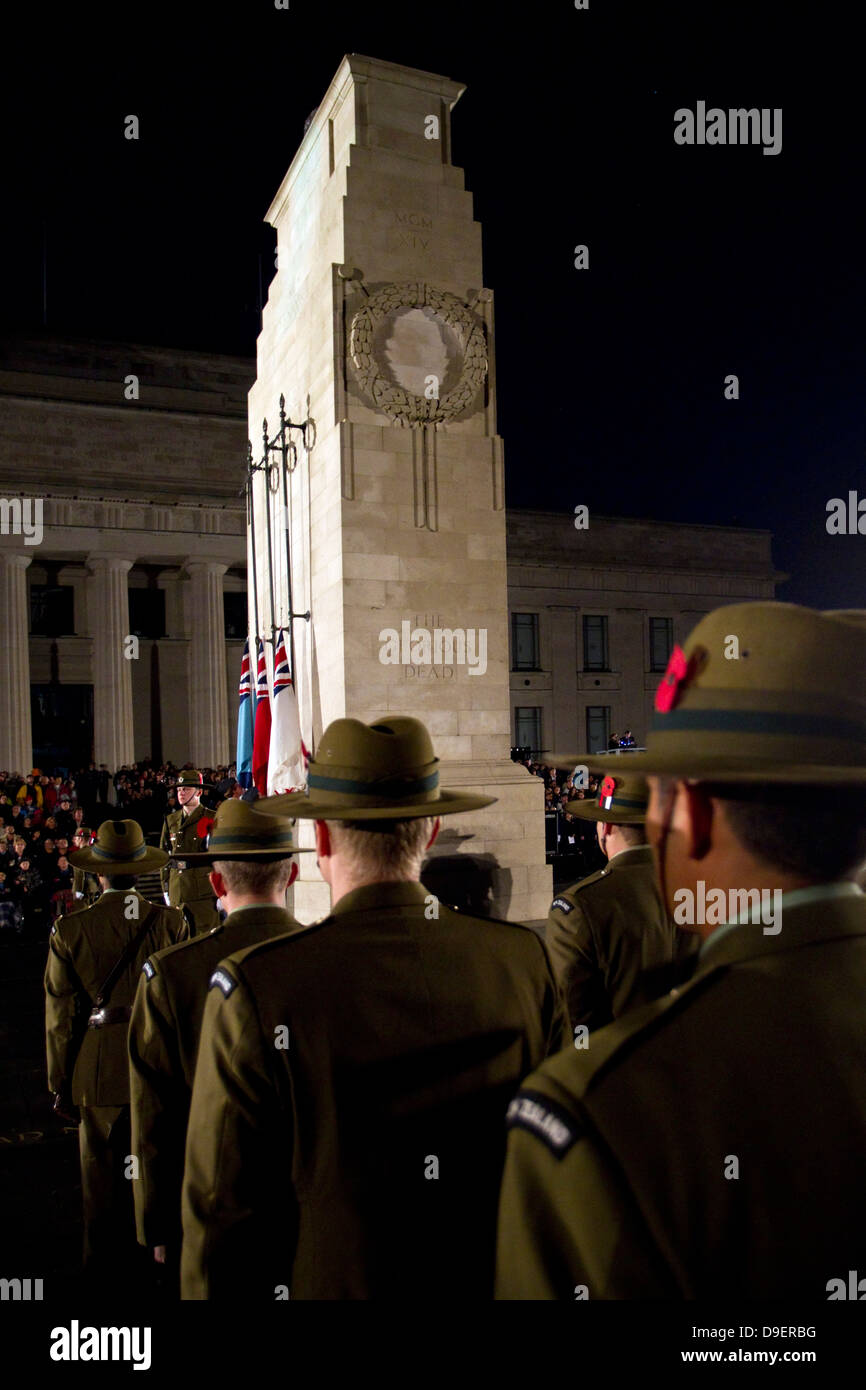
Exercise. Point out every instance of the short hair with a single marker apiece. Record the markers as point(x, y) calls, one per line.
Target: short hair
point(632, 833)
point(392, 849)
point(121, 880)
point(818, 833)
point(256, 877)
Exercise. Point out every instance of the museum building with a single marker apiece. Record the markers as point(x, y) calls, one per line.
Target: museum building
point(138, 457)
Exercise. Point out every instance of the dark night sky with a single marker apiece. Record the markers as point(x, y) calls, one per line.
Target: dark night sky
point(703, 261)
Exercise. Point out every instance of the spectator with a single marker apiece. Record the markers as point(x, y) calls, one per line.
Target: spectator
point(11, 917)
point(62, 895)
point(64, 818)
point(29, 789)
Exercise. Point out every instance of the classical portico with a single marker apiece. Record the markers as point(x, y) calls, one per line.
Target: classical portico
point(124, 625)
point(16, 741)
point(170, 686)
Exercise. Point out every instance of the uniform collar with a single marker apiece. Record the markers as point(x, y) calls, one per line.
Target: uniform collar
point(404, 894)
point(643, 852)
point(841, 912)
point(266, 913)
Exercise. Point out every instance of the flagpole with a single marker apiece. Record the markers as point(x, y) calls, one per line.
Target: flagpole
point(268, 520)
point(251, 522)
point(291, 652)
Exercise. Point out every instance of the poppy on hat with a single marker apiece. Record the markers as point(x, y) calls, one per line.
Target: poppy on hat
point(622, 798)
point(784, 703)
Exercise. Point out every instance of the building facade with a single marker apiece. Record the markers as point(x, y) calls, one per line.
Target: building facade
point(122, 553)
point(594, 614)
point(123, 605)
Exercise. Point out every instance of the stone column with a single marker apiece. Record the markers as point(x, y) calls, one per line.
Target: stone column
point(208, 707)
point(564, 732)
point(112, 682)
point(16, 736)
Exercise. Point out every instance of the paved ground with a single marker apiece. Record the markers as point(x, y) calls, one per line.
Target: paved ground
point(39, 1173)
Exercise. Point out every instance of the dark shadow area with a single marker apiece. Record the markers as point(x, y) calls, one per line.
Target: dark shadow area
point(469, 882)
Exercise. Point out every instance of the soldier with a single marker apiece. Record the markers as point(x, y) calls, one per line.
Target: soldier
point(188, 829)
point(346, 1132)
point(250, 870)
point(85, 886)
point(609, 936)
point(712, 1144)
point(94, 960)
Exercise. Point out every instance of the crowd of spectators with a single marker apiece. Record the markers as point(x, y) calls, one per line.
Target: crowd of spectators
point(571, 841)
point(41, 818)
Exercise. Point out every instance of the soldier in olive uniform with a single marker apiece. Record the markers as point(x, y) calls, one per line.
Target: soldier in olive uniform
point(85, 886)
point(185, 830)
point(609, 937)
point(346, 1133)
point(250, 870)
point(94, 960)
point(712, 1144)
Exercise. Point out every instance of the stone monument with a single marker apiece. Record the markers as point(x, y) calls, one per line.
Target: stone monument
point(379, 330)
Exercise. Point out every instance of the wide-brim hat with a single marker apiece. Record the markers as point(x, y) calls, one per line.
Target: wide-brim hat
point(191, 778)
point(621, 799)
point(763, 692)
point(239, 832)
point(381, 771)
point(119, 848)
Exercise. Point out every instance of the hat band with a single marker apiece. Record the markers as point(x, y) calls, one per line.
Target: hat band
point(400, 788)
point(234, 838)
point(138, 853)
point(799, 725)
point(639, 803)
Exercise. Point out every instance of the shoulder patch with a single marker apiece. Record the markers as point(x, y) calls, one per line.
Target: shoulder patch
point(147, 970)
point(222, 981)
point(563, 904)
point(544, 1118)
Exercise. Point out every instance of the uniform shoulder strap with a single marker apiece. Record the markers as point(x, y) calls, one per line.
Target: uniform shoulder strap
point(121, 963)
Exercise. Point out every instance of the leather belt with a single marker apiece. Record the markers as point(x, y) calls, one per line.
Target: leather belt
point(99, 1017)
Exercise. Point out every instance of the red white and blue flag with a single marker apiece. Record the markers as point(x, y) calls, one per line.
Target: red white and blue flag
point(262, 735)
point(287, 767)
point(246, 706)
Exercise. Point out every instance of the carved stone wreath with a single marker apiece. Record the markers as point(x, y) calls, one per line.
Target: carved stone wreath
point(386, 395)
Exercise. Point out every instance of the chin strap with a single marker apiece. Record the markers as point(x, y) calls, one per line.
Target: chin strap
point(663, 843)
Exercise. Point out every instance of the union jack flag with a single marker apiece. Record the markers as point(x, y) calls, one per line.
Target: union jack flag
point(287, 764)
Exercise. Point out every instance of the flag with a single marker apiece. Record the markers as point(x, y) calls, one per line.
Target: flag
point(262, 736)
point(244, 755)
point(287, 767)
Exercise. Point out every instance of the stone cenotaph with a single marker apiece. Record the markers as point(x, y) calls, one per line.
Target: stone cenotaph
point(378, 330)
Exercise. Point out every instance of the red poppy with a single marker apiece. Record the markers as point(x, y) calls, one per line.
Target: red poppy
point(607, 788)
point(669, 689)
point(204, 826)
